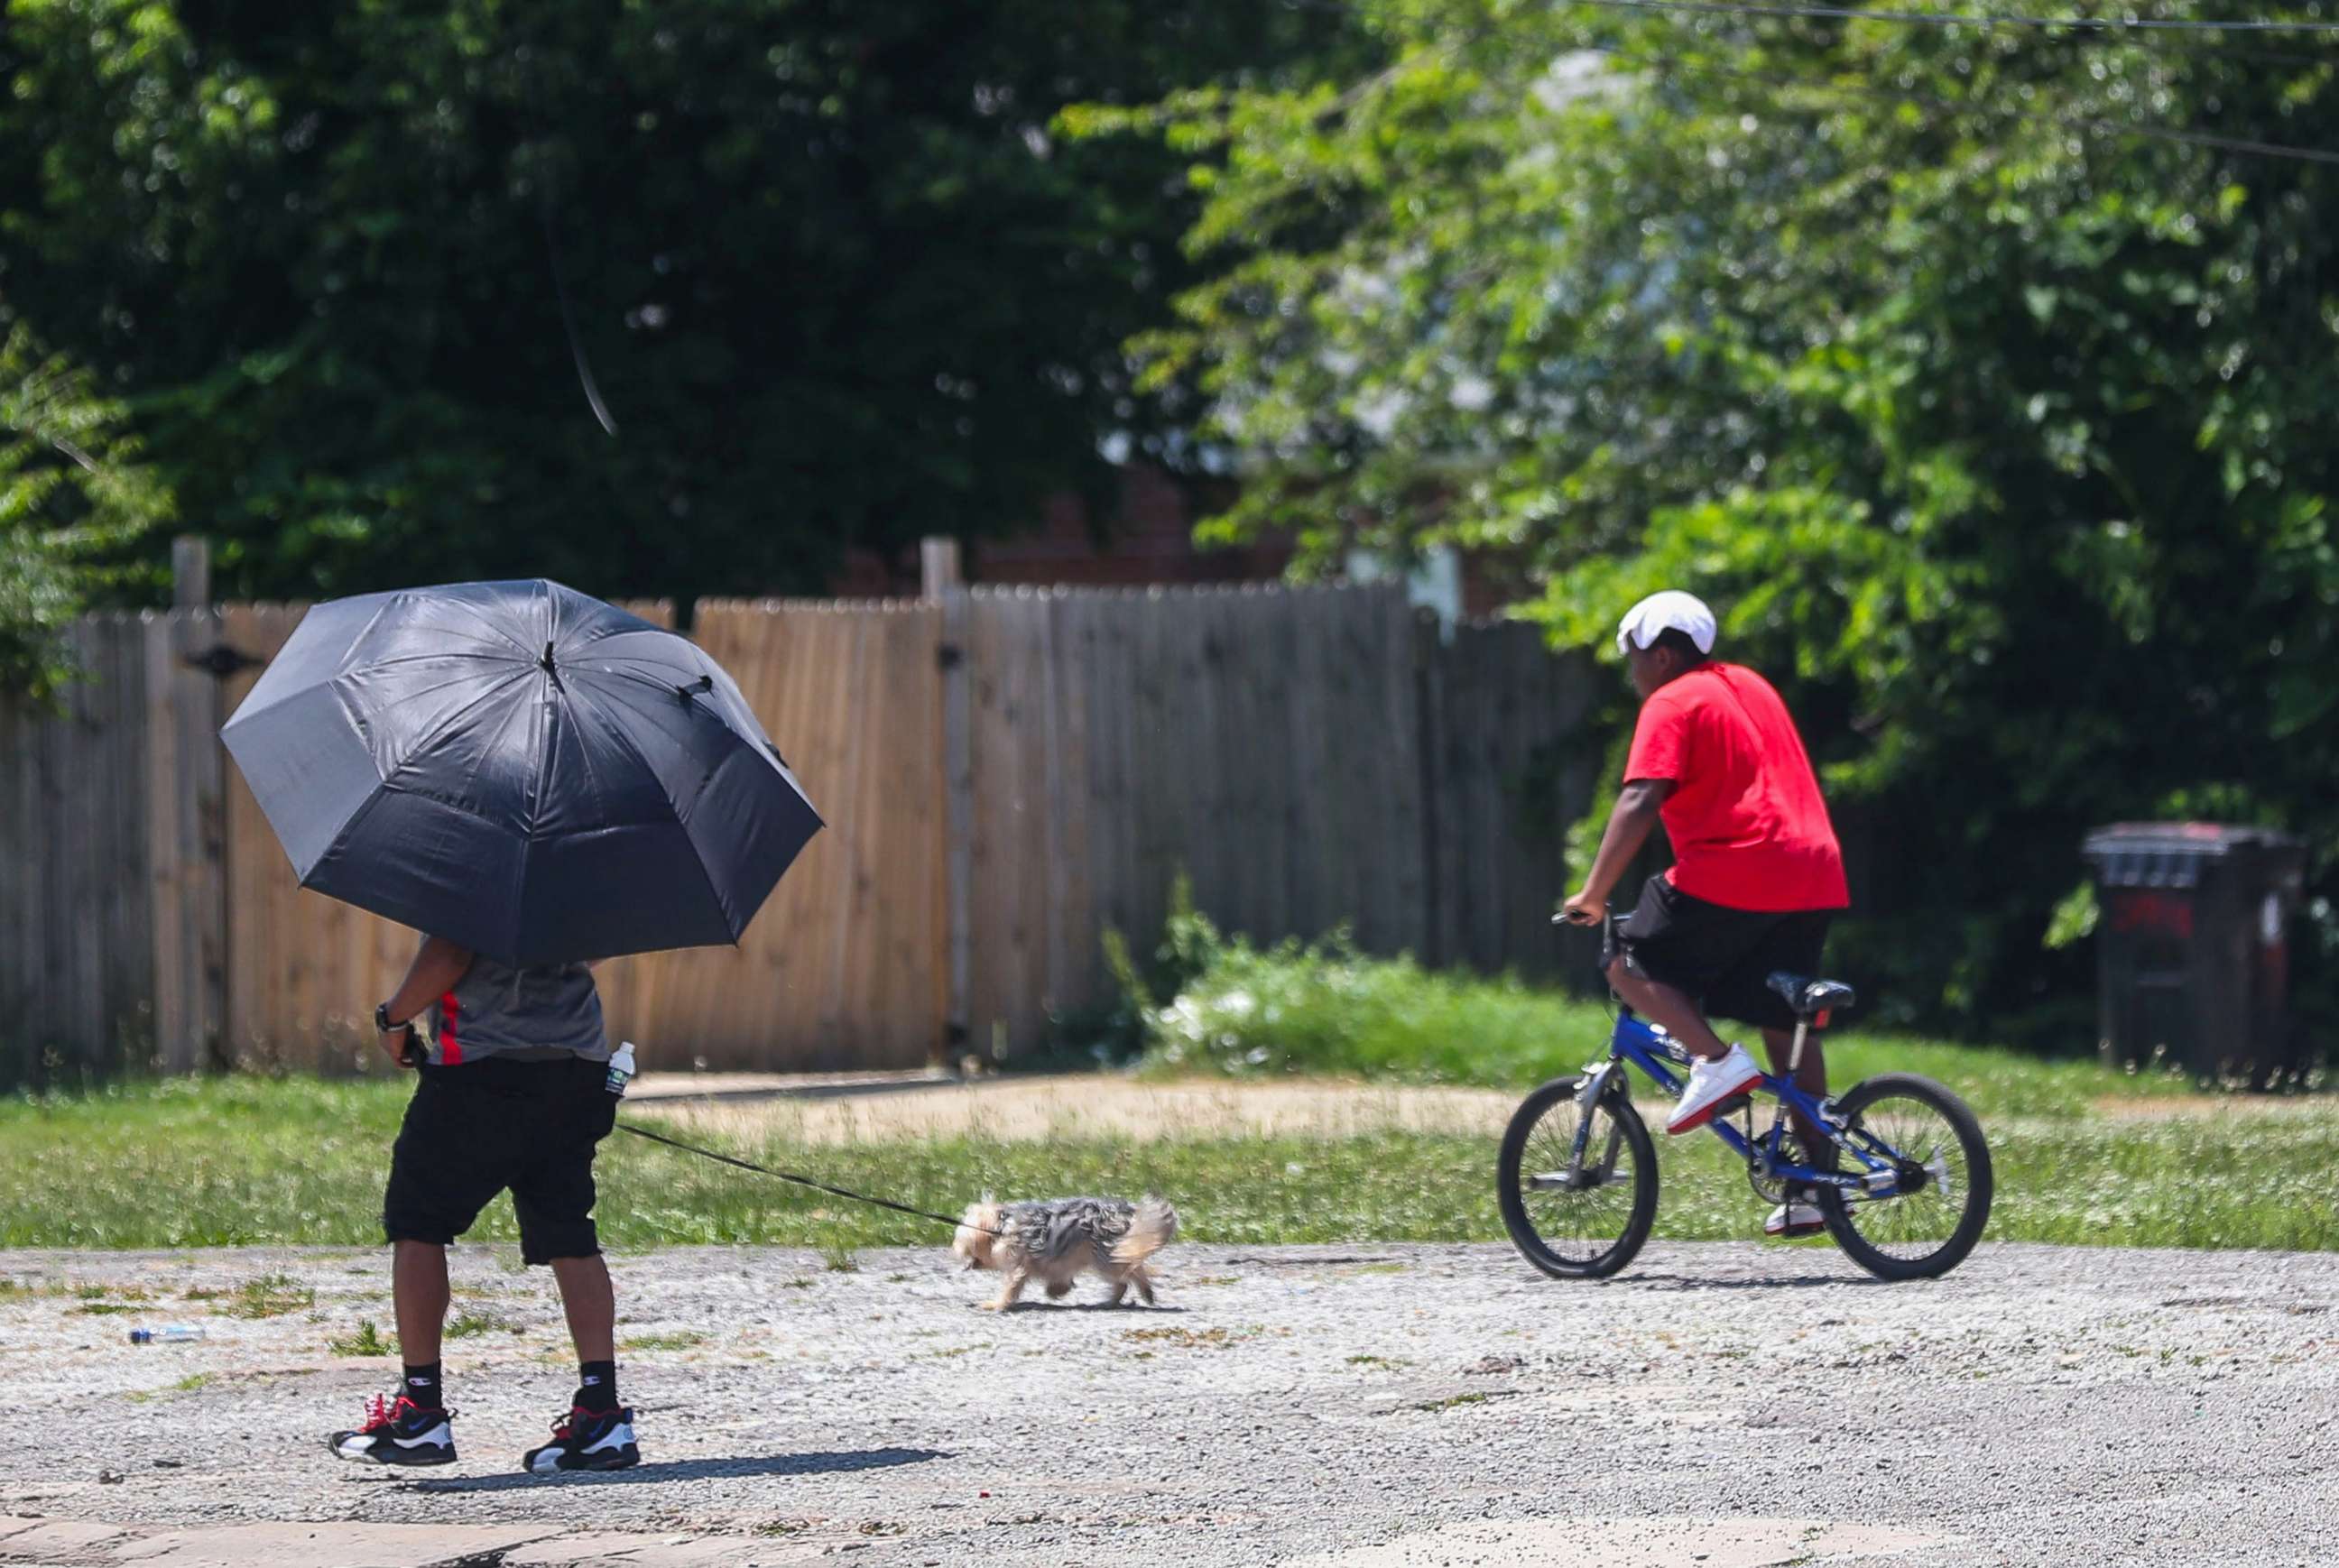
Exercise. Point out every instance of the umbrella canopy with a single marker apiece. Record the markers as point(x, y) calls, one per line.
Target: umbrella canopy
point(521, 769)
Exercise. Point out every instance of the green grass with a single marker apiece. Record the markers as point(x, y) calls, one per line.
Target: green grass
point(297, 1161)
point(470, 1324)
point(365, 1340)
point(269, 1296)
point(682, 1339)
point(1325, 1011)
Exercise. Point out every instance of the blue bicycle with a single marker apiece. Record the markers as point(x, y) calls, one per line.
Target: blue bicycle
point(1906, 1199)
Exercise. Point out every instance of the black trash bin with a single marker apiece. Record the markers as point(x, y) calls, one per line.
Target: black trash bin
point(2192, 947)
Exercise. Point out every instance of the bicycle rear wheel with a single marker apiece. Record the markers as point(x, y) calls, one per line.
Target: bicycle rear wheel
point(1587, 1225)
point(1924, 1227)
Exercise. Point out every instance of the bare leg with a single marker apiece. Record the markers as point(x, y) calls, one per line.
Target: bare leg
point(1670, 1010)
point(587, 1296)
point(418, 1288)
point(1811, 1079)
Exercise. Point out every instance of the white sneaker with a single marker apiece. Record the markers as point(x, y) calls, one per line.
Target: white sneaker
point(1795, 1219)
point(1710, 1083)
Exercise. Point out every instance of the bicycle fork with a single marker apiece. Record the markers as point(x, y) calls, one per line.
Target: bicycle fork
point(1574, 1178)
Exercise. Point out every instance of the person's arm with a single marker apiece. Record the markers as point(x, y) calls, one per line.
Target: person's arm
point(1629, 825)
point(437, 966)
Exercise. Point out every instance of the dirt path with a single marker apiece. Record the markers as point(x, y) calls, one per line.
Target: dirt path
point(1030, 1108)
point(1723, 1405)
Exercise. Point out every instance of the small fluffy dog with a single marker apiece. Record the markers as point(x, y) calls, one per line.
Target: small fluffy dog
point(1056, 1239)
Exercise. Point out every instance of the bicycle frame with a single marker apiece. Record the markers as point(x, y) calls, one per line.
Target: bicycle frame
point(1655, 1052)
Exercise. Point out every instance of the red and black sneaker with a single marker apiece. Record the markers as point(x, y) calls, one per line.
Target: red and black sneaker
point(403, 1433)
point(587, 1440)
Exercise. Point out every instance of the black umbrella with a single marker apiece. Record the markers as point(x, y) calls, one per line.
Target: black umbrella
point(520, 769)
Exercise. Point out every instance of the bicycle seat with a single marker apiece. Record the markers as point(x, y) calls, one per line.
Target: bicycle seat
point(1812, 998)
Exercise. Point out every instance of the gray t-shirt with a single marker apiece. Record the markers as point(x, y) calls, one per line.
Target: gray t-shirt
point(539, 1014)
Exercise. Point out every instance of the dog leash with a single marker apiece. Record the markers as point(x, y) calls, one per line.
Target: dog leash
point(799, 1180)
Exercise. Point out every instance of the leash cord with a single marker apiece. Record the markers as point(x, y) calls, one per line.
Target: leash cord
point(799, 1180)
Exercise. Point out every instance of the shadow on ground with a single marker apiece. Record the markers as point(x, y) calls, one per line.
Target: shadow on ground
point(1673, 1282)
point(697, 1469)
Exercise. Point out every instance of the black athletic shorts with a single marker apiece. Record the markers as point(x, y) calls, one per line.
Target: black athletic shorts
point(1724, 958)
point(475, 1129)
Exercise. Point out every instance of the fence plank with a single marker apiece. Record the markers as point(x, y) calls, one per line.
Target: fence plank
point(843, 966)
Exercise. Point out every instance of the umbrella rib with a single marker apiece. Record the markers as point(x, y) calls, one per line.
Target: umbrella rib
point(425, 742)
point(619, 734)
point(771, 751)
point(498, 657)
point(480, 615)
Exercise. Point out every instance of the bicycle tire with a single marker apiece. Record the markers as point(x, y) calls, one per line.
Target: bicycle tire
point(1526, 1235)
point(1843, 1217)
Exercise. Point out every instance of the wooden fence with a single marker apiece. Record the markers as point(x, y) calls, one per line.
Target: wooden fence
point(1006, 775)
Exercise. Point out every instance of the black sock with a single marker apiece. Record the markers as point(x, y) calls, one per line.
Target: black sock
point(597, 1385)
point(422, 1386)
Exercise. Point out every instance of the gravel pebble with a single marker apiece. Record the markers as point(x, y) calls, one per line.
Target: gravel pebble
point(2050, 1406)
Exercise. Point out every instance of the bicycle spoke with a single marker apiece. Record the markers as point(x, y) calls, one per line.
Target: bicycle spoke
point(1912, 1225)
point(1591, 1218)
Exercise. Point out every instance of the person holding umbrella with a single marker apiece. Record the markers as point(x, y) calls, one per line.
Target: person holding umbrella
point(514, 1094)
point(541, 781)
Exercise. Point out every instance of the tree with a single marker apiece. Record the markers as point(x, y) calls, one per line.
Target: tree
point(74, 500)
point(1997, 427)
point(837, 282)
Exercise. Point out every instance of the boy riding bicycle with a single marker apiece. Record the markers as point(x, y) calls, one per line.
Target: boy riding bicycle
point(1757, 874)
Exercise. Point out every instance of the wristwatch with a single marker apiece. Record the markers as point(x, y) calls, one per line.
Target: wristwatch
point(382, 1024)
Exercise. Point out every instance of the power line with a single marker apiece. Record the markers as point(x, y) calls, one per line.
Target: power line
point(1965, 19)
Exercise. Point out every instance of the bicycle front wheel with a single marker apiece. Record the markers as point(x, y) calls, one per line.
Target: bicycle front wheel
point(1940, 1201)
point(1577, 1220)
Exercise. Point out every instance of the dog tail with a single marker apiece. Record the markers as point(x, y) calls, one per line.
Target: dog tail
point(1153, 1227)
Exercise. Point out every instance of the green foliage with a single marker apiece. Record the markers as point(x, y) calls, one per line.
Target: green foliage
point(837, 282)
point(364, 1340)
point(1999, 441)
point(269, 1296)
point(1319, 1009)
point(1117, 1031)
point(75, 498)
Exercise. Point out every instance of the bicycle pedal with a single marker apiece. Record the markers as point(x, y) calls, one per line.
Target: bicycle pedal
point(1732, 1106)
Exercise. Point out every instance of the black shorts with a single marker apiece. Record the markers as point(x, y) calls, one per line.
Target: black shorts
point(473, 1130)
point(1723, 958)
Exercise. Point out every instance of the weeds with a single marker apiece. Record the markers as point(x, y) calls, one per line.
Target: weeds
point(1323, 1008)
point(470, 1324)
point(1191, 1338)
point(681, 1339)
point(365, 1340)
point(269, 1296)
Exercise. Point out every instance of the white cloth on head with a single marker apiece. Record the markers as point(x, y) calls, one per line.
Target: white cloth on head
point(1671, 610)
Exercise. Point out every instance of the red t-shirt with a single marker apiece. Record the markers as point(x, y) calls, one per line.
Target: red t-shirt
point(1747, 826)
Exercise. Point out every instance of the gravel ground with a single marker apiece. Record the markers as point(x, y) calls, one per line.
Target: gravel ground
point(1722, 1404)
